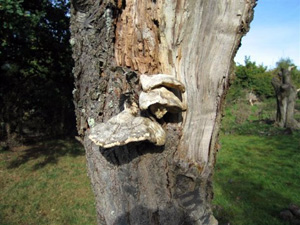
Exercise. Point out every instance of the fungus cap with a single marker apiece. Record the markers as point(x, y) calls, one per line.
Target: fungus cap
point(150, 82)
point(125, 128)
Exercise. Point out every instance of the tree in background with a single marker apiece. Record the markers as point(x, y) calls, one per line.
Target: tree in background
point(286, 94)
point(295, 72)
point(36, 81)
point(114, 42)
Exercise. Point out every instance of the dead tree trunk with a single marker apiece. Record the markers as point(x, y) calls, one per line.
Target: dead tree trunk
point(194, 41)
point(286, 95)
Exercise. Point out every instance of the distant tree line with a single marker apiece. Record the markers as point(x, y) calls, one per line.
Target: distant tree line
point(256, 83)
point(258, 79)
point(36, 79)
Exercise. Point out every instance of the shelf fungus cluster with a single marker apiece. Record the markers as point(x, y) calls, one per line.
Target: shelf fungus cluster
point(128, 126)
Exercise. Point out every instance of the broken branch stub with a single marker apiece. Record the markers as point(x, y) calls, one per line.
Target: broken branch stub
point(125, 128)
point(160, 101)
point(150, 82)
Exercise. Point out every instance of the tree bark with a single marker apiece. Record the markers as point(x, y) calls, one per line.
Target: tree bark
point(195, 41)
point(286, 95)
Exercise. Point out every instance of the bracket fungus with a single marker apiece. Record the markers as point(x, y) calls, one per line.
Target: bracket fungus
point(125, 128)
point(128, 127)
point(150, 82)
point(157, 98)
point(160, 101)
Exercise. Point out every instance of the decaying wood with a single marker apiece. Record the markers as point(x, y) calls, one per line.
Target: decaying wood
point(116, 41)
point(286, 95)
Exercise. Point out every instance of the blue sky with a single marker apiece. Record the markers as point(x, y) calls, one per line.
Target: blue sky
point(274, 33)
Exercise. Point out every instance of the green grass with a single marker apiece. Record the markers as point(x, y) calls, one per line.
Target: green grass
point(257, 173)
point(45, 183)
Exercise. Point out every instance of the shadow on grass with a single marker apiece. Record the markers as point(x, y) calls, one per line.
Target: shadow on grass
point(256, 204)
point(264, 127)
point(48, 152)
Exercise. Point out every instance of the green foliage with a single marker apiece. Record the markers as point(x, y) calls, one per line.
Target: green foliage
point(285, 63)
point(46, 183)
point(261, 85)
point(246, 74)
point(254, 78)
point(296, 78)
point(257, 79)
point(36, 79)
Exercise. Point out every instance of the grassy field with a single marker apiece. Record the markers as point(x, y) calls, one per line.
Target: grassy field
point(45, 183)
point(256, 177)
point(258, 171)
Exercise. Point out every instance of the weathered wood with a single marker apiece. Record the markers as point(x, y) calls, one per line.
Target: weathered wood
point(195, 41)
point(286, 95)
